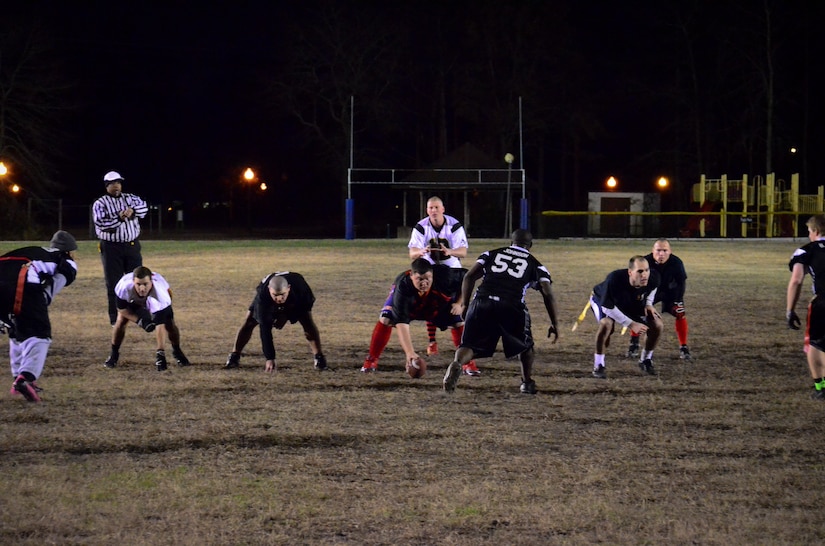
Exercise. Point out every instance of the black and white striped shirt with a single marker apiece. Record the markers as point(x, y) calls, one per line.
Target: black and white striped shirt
point(108, 224)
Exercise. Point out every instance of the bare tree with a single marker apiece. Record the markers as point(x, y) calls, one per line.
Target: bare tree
point(34, 97)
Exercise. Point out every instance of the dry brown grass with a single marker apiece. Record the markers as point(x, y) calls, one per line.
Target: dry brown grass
point(726, 449)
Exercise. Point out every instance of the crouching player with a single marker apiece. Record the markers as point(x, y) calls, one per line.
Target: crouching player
point(30, 278)
point(424, 292)
point(145, 298)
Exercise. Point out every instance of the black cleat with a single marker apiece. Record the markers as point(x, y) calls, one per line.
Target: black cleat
point(646, 366)
point(529, 387)
point(320, 362)
point(451, 376)
point(160, 361)
point(111, 362)
point(180, 358)
point(599, 372)
point(234, 361)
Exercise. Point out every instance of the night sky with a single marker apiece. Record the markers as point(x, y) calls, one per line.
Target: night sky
point(177, 99)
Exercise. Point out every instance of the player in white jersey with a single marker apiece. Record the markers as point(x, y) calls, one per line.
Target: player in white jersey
point(441, 239)
point(145, 298)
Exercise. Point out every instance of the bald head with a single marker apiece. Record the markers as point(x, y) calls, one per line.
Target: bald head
point(278, 289)
point(522, 238)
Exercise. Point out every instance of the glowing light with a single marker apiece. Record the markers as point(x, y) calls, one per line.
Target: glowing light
point(15, 188)
point(662, 182)
point(3, 169)
point(249, 174)
point(612, 183)
point(793, 150)
point(263, 186)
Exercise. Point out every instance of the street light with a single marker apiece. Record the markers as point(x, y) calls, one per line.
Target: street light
point(249, 176)
point(662, 183)
point(3, 169)
point(612, 183)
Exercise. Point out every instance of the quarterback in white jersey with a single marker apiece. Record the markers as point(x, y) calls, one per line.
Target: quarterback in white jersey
point(438, 238)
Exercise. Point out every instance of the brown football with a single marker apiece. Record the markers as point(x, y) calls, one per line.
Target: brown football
point(416, 368)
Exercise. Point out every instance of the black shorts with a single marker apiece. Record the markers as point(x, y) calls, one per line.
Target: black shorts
point(815, 329)
point(489, 320)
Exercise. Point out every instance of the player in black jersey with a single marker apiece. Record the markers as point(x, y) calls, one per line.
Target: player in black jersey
point(423, 292)
point(626, 296)
point(498, 311)
point(30, 278)
point(810, 259)
point(280, 297)
point(671, 293)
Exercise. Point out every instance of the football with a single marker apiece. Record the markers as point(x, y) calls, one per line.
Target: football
point(416, 368)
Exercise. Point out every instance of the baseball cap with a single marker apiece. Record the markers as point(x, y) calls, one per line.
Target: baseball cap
point(63, 240)
point(112, 176)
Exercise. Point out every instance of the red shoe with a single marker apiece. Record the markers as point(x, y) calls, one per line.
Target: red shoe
point(26, 388)
point(370, 365)
point(471, 369)
point(432, 348)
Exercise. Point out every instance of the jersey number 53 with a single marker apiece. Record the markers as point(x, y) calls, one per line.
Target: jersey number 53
point(515, 267)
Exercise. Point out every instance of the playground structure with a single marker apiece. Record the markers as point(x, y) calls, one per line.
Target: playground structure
point(766, 207)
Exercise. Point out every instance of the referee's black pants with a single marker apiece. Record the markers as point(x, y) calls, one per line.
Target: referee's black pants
point(118, 259)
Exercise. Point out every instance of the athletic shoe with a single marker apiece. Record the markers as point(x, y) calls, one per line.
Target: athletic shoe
point(471, 369)
point(234, 361)
point(111, 362)
point(370, 365)
point(529, 387)
point(452, 376)
point(14, 392)
point(818, 395)
point(27, 388)
point(320, 362)
point(646, 366)
point(180, 358)
point(633, 349)
point(684, 352)
point(599, 372)
point(432, 348)
point(160, 361)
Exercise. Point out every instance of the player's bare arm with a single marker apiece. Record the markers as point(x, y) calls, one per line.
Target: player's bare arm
point(416, 252)
point(405, 339)
point(550, 305)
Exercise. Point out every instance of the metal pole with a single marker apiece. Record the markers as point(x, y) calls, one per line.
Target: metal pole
point(508, 227)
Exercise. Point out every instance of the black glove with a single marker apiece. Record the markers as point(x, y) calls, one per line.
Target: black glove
point(793, 321)
point(146, 324)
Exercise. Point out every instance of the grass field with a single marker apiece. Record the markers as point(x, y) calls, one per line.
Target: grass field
point(726, 449)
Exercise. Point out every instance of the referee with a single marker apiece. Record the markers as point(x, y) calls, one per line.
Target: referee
point(117, 226)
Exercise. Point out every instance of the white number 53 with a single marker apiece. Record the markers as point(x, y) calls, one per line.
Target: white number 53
point(515, 267)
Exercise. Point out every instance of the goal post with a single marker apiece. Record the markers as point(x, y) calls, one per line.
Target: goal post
point(438, 180)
